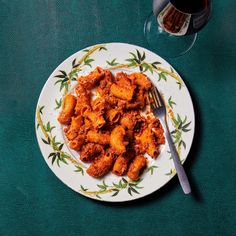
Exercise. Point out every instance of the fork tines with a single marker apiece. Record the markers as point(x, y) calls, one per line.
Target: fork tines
point(156, 97)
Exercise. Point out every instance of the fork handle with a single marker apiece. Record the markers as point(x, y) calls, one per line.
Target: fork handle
point(183, 179)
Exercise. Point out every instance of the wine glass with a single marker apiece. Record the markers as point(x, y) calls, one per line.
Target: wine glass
point(171, 29)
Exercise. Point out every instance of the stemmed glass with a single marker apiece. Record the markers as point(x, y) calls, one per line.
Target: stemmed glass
point(171, 29)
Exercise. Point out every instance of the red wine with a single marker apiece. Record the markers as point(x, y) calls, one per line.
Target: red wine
point(190, 6)
point(182, 17)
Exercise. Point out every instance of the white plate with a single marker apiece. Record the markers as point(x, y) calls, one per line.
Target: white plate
point(66, 164)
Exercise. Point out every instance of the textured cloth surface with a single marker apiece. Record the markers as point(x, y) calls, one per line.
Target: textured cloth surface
point(37, 35)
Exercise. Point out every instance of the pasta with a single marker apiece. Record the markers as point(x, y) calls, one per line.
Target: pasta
point(83, 100)
point(122, 92)
point(96, 119)
point(123, 79)
point(77, 143)
point(149, 143)
point(98, 137)
point(90, 151)
point(117, 140)
point(129, 120)
point(99, 105)
point(90, 81)
point(104, 86)
point(113, 115)
point(120, 165)
point(136, 167)
point(108, 121)
point(101, 166)
point(141, 80)
point(67, 110)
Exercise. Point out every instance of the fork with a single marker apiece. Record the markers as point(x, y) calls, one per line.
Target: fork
point(159, 110)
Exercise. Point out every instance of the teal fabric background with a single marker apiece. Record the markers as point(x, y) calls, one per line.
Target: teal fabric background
point(37, 35)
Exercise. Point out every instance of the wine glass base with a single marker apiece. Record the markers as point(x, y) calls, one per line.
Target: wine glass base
point(165, 44)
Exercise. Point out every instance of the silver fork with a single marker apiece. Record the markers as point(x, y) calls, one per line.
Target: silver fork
point(159, 110)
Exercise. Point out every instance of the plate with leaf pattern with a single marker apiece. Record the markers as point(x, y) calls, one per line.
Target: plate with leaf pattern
point(115, 57)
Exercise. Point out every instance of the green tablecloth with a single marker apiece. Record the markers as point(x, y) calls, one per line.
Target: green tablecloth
point(35, 36)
